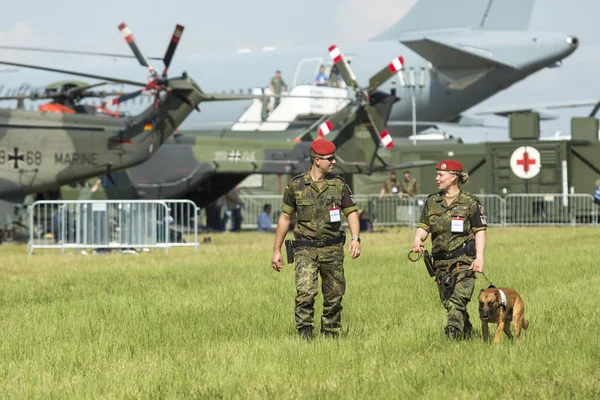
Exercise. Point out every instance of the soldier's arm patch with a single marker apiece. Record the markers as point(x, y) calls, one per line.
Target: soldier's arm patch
point(478, 218)
point(347, 197)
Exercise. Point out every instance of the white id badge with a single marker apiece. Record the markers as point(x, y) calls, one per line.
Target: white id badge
point(458, 224)
point(334, 215)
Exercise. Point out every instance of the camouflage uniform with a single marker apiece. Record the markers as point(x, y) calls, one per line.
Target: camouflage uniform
point(391, 187)
point(410, 187)
point(312, 206)
point(436, 219)
point(277, 84)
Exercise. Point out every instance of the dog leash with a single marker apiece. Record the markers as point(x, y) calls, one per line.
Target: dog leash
point(419, 255)
point(486, 278)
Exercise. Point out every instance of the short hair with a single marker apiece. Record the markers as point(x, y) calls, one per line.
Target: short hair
point(407, 172)
point(267, 205)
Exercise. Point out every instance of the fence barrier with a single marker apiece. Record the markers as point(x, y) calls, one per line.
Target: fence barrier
point(112, 224)
point(513, 210)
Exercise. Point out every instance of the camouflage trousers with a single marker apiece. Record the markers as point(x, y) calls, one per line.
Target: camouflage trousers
point(455, 302)
point(308, 267)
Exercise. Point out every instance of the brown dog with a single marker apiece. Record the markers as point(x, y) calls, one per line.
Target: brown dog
point(500, 306)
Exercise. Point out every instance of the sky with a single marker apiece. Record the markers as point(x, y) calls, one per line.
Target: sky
point(217, 26)
point(210, 26)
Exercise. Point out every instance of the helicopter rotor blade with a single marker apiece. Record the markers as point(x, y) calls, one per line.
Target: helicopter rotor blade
point(343, 66)
point(127, 96)
point(78, 52)
point(83, 74)
point(334, 121)
point(396, 66)
point(171, 49)
point(595, 109)
point(378, 126)
point(128, 36)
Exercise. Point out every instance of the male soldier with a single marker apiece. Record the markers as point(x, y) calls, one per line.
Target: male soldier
point(277, 86)
point(391, 186)
point(409, 185)
point(317, 197)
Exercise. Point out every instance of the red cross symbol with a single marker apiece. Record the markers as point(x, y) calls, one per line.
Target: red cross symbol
point(526, 161)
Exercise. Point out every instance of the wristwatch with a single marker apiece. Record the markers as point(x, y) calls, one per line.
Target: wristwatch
point(356, 238)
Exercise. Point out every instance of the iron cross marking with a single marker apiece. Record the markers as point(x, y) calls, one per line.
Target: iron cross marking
point(16, 157)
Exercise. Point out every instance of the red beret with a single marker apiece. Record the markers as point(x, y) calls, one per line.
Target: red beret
point(323, 147)
point(449, 165)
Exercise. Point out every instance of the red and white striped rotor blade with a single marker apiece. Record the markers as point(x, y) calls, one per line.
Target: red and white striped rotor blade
point(128, 36)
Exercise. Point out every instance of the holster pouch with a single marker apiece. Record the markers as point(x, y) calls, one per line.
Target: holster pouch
point(448, 283)
point(470, 249)
point(289, 250)
point(429, 263)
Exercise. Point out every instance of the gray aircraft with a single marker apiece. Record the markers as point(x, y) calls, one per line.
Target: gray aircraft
point(456, 54)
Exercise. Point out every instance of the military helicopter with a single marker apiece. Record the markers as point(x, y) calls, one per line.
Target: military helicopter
point(66, 98)
point(206, 166)
point(39, 151)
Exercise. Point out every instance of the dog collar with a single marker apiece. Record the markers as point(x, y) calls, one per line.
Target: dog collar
point(503, 297)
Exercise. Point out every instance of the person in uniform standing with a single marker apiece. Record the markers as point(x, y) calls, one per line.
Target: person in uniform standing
point(391, 186)
point(318, 197)
point(409, 185)
point(457, 224)
point(277, 86)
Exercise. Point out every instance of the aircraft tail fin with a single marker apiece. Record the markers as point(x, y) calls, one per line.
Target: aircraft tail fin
point(432, 15)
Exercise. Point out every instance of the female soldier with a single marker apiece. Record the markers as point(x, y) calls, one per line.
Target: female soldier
point(457, 224)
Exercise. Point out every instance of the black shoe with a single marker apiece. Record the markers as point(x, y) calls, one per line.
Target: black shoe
point(331, 334)
point(305, 333)
point(453, 333)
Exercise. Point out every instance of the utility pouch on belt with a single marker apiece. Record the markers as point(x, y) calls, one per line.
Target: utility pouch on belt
point(470, 249)
point(428, 263)
point(289, 250)
point(448, 283)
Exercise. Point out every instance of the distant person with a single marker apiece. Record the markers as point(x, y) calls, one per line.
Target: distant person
point(366, 225)
point(278, 87)
point(321, 79)
point(391, 186)
point(234, 205)
point(334, 77)
point(264, 220)
point(409, 186)
point(213, 214)
point(597, 192)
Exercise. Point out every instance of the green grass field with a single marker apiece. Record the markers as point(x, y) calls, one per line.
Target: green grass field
point(219, 324)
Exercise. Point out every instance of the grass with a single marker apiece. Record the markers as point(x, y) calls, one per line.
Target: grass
point(219, 324)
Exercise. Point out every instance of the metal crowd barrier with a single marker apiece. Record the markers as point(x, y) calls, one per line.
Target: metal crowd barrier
point(112, 224)
point(514, 210)
point(551, 209)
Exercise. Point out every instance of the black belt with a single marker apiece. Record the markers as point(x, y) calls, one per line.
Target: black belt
point(320, 243)
point(450, 255)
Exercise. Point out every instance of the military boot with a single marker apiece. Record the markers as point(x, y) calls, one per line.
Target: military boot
point(305, 333)
point(468, 327)
point(331, 334)
point(453, 333)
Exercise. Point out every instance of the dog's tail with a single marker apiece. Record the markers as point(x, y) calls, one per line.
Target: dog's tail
point(524, 322)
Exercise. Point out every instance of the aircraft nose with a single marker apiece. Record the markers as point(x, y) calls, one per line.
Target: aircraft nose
point(573, 41)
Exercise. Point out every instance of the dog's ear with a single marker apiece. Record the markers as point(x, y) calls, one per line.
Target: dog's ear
point(498, 297)
point(481, 291)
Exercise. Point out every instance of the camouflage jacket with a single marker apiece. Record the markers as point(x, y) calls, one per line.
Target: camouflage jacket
point(312, 205)
point(454, 225)
point(410, 188)
point(391, 187)
point(277, 84)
